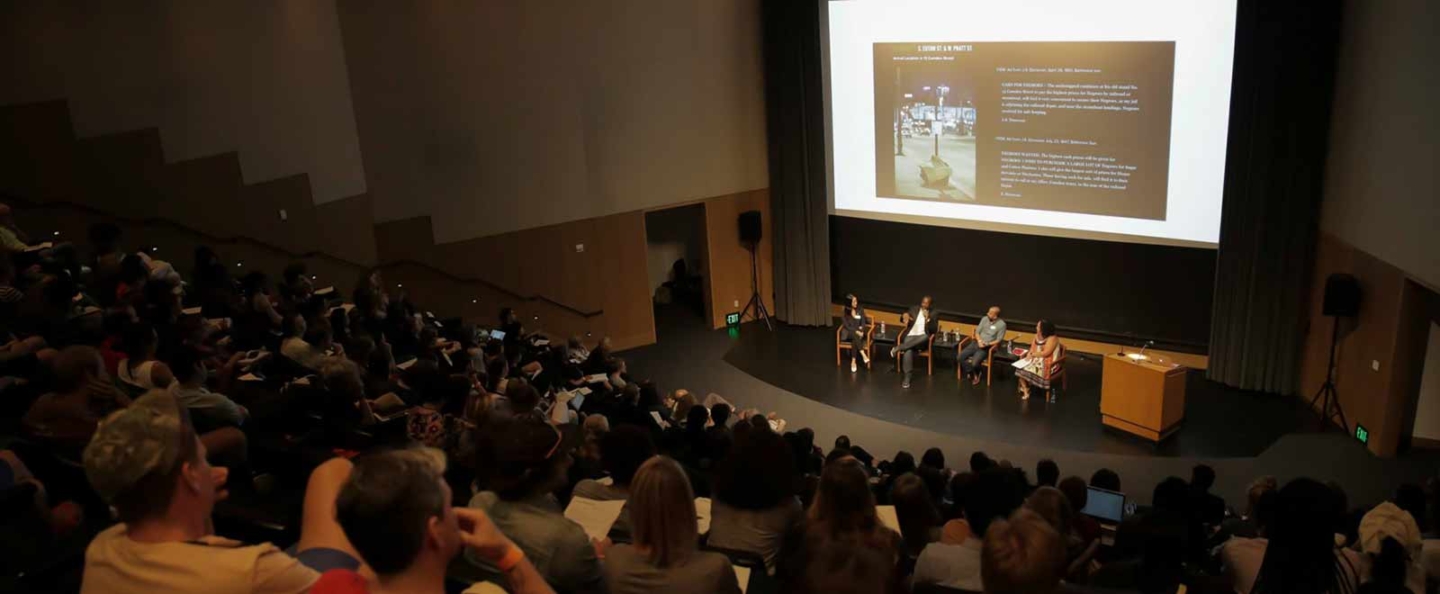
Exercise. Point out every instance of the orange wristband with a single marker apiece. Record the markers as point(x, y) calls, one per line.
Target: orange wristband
point(510, 559)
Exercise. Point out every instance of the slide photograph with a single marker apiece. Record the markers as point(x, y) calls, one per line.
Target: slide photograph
point(1078, 127)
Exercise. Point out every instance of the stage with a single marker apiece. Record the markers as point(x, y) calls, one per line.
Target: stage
point(1219, 422)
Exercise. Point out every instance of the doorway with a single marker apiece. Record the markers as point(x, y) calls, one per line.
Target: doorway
point(675, 266)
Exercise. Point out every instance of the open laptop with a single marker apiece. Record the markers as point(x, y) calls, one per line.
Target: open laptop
point(1108, 508)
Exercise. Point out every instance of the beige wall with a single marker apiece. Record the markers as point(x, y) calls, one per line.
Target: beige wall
point(1381, 183)
point(492, 117)
point(1389, 334)
point(263, 78)
point(728, 281)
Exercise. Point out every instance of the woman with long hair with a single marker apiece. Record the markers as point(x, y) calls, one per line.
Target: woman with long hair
point(856, 326)
point(919, 520)
point(665, 556)
point(842, 514)
point(1301, 556)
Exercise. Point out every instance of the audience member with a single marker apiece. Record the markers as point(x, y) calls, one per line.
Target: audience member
point(209, 410)
point(919, 520)
point(843, 513)
point(1047, 473)
point(755, 508)
point(140, 370)
point(396, 509)
point(1300, 553)
point(1086, 527)
point(1207, 508)
point(1021, 555)
point(664, 558)
point(1390, 540)
point(66, 418)
point(1105, 479)
point(149, 465)
point(995, 494)
point(622, 451)
point(522, 461)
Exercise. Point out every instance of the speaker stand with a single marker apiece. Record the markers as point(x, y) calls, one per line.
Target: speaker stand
point(1328, 396)
point(755, 308)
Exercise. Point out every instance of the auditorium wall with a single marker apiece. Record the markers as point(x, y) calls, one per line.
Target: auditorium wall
point(1381, 183)
point(1380, 353)
point(265, 79)
point(495, 117)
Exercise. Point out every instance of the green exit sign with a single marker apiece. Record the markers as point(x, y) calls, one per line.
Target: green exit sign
point(732, 319)
point(1361, 433)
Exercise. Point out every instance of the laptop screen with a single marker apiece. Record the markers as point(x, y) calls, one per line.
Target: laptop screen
point(1103, 505)
point(497, 335)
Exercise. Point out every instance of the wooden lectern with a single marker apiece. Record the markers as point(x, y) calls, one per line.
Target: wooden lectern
point(1142, 397)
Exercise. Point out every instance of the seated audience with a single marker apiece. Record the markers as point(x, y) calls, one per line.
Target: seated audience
point(1390, 540)
point(754, 508)
point(622, 451)
point(663, 558)
point(919, 520)
point(1246, 525)
point(140, 370)
point(1300, 554)
point(1047, 473)
point(1021, 555)
point(148, 464)
point(1105, 479)
point(522, 461)
point(297, 343)
point(1208, 508)
point(1086, 528)
point(842, 514)
point(66, 418)
point(995, 494)
point(397, 511)
point(208, 409)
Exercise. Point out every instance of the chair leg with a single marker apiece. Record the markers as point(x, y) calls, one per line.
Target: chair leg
point(929, 364)
point(837, 354)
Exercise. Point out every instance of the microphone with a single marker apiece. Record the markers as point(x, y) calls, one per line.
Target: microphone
point(1148, 344)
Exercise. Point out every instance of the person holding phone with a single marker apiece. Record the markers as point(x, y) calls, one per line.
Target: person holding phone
point(855, 327)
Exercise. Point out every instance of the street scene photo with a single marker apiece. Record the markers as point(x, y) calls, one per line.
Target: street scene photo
point(930, 115)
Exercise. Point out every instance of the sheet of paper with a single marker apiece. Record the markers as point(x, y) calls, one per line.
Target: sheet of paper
point(595, 378)
point(888, 517)
point(702, 514)
point(658, 421)
point(1020, 363)
point(595, 517)
point(582, 391)
point(407, 364)
point(325, 290)
point(540, 342)
point(742, 575)
point(190, 311)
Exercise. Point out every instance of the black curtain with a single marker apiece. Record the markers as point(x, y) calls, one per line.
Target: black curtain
point(795, 121)
point(1279, 122)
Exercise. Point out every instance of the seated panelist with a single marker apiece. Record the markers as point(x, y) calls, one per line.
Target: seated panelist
point(988, 331)
point(920, 323)
point(856, 326)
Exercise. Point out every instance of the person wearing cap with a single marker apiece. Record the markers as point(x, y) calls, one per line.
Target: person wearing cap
point(146, 462)
point(396, 508)
point(523, 461)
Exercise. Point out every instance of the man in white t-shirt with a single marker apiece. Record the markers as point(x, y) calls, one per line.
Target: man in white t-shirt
point(920, 323)
point(147, 463)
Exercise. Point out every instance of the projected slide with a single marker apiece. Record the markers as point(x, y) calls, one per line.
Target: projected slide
point(1073, 127)
point(1103, 119)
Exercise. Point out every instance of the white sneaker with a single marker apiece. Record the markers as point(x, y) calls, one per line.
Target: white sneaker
point(866, 356)
point(853, 368)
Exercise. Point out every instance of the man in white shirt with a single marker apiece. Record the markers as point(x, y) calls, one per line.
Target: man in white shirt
point(920, 325)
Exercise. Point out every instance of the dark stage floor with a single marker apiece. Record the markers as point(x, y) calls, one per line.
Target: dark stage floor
point(1219, 422)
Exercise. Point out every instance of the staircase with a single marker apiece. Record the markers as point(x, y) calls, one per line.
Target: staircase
point(59, 185)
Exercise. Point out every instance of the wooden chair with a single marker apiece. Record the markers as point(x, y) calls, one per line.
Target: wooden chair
point(989, 362)
point(1056, 370)
point(844, 345)
point(925, 352)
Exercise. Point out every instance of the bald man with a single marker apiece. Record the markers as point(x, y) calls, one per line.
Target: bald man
point(988, 331)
